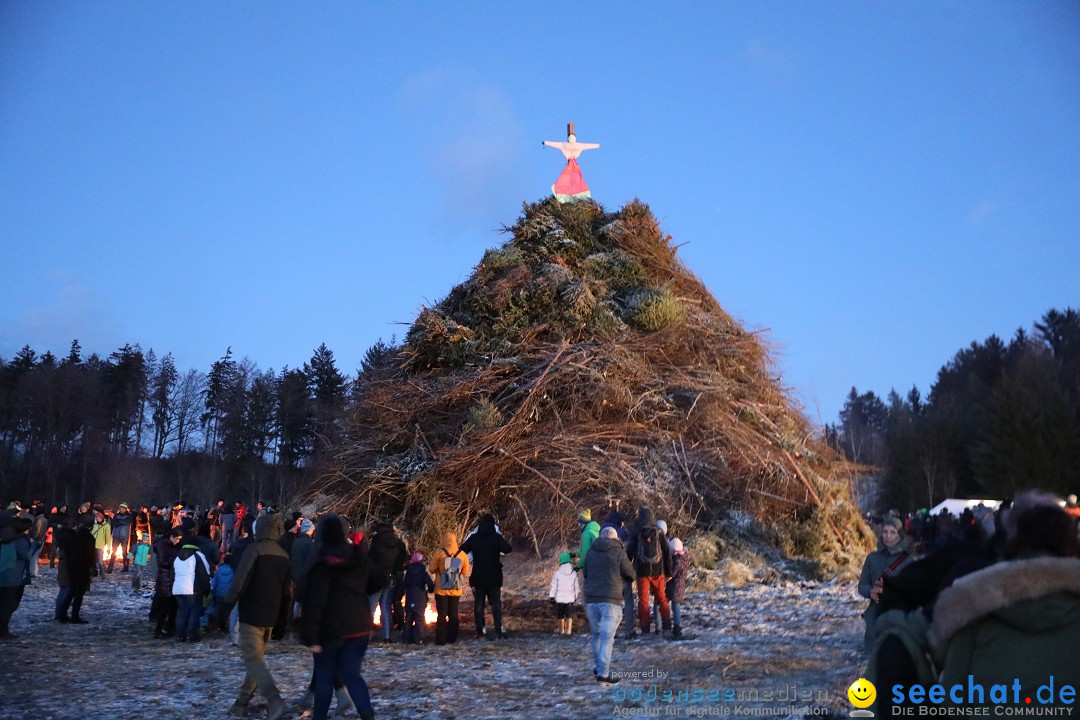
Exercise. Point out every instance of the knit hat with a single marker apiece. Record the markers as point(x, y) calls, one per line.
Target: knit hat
point(417, 558)
point(675, 544)
point(661, 525)
point(356, 538)
point(125, 506)
point(585, 516)
point(306, 526)
point(897, 524)
point(187, 524)
point(564, 558)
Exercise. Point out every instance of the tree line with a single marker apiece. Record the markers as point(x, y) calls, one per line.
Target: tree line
point(134, 427)
point(1000, 417)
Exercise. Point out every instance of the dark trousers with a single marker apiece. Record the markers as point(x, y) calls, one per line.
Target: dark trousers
point(480, 595)
point(73, 600)
point(10, 597)
point(166, 615)
point(414, 624)
point(446, 627)
point(342, 661)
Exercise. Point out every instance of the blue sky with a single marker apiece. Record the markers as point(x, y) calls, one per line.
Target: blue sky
point(874, 185)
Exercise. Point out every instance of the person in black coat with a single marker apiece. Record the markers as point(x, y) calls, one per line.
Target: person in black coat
point(163, 607)
point(487, 547)
point(336, 623)
point(388, 556)
point(78, 561)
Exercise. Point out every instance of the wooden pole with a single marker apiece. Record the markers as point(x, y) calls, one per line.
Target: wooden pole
point(569, 129)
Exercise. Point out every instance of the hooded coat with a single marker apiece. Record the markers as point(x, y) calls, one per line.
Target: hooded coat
point(646, 522)
point(336, 606)
point(191, 570)
point(565, 583)
point(606, 567)
point(487, 547)
point(14, 555)
point(1018, 619)
point(261, 581)
point(78, 559)
point(388, 553)
point(449, 548)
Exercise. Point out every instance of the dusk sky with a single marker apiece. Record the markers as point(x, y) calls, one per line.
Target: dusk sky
point(872, 185)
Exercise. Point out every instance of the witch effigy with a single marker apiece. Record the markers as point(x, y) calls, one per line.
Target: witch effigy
point(570, 185)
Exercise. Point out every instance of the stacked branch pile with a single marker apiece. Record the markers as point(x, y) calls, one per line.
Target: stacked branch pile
point(582, 364)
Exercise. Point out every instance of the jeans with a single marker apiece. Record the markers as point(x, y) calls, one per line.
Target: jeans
point(675, 615)
point(495, 595)
point(35, 553)
point(189, 609)
point(73, 599)
point(227, 538)
point(234, 624)
point(341, 661)
point(384, 599)
point(253, 642)
point(62, 599)
point(603, 621)
point(446, 627)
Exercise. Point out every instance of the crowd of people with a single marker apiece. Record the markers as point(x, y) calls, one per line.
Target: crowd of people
point(993, 595)
point(253, 572)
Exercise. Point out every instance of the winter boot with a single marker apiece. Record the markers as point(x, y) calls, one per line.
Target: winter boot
point(676, 632)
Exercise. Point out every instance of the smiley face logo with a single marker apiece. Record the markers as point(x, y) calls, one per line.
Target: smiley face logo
point(862, 693)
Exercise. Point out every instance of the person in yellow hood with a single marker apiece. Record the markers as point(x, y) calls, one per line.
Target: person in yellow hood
point(450, 567)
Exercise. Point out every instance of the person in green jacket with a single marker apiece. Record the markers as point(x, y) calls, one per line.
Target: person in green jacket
point(890, 557)
point(1019, 619)
point(102, 532)
point(590, 530)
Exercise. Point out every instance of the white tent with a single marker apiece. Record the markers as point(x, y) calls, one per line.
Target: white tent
point(956, 506)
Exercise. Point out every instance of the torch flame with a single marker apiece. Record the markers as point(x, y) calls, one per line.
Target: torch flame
point(377, 617)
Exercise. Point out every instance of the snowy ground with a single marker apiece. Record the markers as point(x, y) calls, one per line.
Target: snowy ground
point(762, 647)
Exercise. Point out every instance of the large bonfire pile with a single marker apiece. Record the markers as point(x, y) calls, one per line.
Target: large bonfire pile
point(583, 365)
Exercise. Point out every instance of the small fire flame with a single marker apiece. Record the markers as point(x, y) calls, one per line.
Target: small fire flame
point(430, 616)
point(377, 617)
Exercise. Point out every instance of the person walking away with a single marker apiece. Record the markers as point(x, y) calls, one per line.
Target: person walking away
point(879, 565)
point(564, 592)
point(652, 563)
point(57, 518)
point(616, 520)
point(336, 623)
point(78, 562)
point(121, 535)
point(676, 584)
point(15, 555)
point(141, 562)
point(487, 547)
point(260, 589)
point(299, 560)
point(417, 584)
point(191, 581)
point(219, 588)
point(389, 556)
point(606, 567)
point(450, 567)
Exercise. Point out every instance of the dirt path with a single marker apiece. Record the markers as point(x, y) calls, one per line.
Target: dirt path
point(761, 646)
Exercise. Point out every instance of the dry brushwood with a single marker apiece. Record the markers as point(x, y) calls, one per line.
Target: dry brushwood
point(582, 364)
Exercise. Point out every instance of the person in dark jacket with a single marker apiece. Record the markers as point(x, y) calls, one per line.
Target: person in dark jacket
point(652, 563)
point(78, 562)
point(616, 520)
point(260, 589)
point(606, 568)
point(417, 586)
point(121, 535)
point(336, 624)
point(487, 546)
point(227, 519)
point(164, 606)
point(388, 556)
point(56, 521)
point(207, 546)
point(14, 569)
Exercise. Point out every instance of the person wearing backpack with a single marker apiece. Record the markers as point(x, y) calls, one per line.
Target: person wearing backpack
point(652, 563)
point(191, 581)
point(450, 567)
point(14, 569)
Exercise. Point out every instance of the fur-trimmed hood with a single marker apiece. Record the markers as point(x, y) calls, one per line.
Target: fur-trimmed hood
point(1009, 591)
